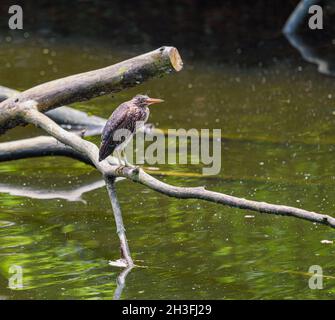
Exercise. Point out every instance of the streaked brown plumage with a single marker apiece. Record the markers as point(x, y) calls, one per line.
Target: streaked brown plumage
point(121, 125)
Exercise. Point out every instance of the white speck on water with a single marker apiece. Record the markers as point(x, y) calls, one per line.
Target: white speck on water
point(327, 241)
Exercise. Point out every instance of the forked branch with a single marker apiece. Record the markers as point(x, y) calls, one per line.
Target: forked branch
point(89, 150)
point(28, 107)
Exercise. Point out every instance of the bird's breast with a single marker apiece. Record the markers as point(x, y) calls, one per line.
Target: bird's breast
point(140, 114)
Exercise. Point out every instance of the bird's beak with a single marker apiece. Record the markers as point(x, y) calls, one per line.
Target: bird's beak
point(153, 100)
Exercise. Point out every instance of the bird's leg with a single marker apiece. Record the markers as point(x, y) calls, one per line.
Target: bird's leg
point(118, 155)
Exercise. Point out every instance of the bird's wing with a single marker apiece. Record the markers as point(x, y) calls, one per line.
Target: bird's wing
point(112, 134)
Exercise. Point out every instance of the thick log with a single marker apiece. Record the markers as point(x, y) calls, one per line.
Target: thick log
point(64, 115)
point(85, 86)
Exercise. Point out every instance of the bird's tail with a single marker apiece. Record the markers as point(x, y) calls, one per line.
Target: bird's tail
point(105, 150)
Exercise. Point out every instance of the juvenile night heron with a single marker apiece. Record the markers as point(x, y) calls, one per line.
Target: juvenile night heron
point(122, 125)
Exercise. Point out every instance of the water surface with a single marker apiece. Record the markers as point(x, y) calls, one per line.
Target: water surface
point(277, 119)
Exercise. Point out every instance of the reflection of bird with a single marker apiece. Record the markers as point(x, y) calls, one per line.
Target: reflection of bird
point(122, 125)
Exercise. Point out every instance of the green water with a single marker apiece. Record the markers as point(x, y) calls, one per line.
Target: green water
point(277, 120)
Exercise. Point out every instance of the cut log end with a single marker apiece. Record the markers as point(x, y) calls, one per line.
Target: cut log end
point(175, 59)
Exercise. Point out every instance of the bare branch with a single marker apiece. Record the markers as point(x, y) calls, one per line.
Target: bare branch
point(217, 197)
point(64, 115)
point(126, 259)
point(91, 151)
point(85, 86)
point(38, 147)
point(28, 106)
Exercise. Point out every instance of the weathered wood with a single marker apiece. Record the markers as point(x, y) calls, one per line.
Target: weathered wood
point(126, 260)
point(138, 175)
point(38, 147)
point(28, 107)
point(85, 86)
point(63, 115)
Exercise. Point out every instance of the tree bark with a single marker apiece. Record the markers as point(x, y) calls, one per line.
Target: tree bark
point(90, 150)
point(88, 85)
point(27, 107)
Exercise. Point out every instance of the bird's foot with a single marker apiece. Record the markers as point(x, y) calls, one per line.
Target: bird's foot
point(119, 169)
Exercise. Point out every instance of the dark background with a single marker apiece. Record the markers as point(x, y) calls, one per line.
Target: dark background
point(200, 27)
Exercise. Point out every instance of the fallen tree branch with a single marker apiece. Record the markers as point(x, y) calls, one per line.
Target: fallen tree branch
point(27, 107)
point(91, 151)
point(85, 86)
point(38, 147)
point(126, 260)
point(217, 197)
point(64, 115)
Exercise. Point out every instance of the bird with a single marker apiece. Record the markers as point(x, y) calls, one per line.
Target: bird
point(123, 124)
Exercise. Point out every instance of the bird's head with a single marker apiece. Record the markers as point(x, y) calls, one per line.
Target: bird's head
point(144, 101)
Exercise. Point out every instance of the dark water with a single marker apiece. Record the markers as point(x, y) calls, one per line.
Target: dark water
point(277, 120)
